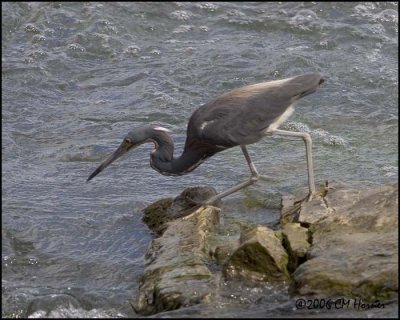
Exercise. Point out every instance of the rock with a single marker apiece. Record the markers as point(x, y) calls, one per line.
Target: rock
point(295, 209)
point(177, 274)
point(223, 251)
point(159, 213)
point(354, 250)
point(156, 215)
point(342, 243)
point(290, 207)
point(260, 257)
point(296, 243)
point(357, 265)
point(365, 210)
point(314, 211)
point(189, 198)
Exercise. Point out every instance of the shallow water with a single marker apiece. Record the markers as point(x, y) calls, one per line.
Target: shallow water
point(76, 77)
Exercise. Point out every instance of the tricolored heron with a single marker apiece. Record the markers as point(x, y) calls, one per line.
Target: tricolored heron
point(237, 118)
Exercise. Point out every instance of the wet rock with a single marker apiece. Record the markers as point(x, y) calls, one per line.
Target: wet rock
point(356, 265)
point(314, 211)
point(156, 215)
point(342, 243)
point(191, 198)
point(290, 207)
point(162, 211)
point(296, 209)
point(354, 250)
point(177, 274)
point(260, 257)
point(296, 243)
point(223, 251)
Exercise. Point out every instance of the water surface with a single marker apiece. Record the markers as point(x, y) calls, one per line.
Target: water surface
point(76, 77)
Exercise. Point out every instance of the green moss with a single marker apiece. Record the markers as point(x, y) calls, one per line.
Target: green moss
point(158, 207)
point(253, 257)
point(155, 215)
point(268, 201)
point(252, 203)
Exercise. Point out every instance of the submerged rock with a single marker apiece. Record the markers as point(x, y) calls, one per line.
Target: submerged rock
point(354, 250)
point(260, 256)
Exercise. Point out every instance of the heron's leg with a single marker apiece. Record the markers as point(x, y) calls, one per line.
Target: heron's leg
point(252, 167)
point(253, 178)
point(307, 139)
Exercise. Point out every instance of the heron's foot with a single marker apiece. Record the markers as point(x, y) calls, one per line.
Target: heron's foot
point(314, 195)
point(321, 192)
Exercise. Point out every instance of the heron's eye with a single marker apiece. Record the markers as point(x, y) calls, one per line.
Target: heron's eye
point(128, 140)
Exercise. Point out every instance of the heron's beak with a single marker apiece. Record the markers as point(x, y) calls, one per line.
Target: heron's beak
point(122, 149)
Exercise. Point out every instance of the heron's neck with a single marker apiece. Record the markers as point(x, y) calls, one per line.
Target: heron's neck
point(162, 158)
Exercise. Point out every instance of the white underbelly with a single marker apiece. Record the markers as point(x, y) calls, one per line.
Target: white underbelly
point(278, 121)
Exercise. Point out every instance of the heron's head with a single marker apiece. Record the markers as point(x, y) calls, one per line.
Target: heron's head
point(133, 139)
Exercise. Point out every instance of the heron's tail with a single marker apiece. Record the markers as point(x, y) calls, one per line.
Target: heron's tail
point(306, 84)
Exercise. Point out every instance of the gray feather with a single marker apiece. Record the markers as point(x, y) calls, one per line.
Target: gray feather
point(241, 116)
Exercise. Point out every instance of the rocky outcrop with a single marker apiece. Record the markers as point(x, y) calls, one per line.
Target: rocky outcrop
point(354, 249)
point(177, 274)
point(344, 242)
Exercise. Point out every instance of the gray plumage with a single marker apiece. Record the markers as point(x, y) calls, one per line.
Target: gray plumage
point(241, 116)
point(237, 118)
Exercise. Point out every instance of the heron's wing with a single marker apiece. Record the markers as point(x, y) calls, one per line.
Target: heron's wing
point(241, 116)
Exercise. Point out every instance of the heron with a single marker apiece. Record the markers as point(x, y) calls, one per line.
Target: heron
point(237, 118)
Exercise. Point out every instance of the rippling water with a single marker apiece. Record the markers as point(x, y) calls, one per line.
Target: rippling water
point(76, 77)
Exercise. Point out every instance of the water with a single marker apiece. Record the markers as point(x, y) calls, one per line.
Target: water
point(76, 77)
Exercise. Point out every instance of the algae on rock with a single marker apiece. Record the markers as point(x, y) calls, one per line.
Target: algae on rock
point(177, 274)
point(260, 256)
